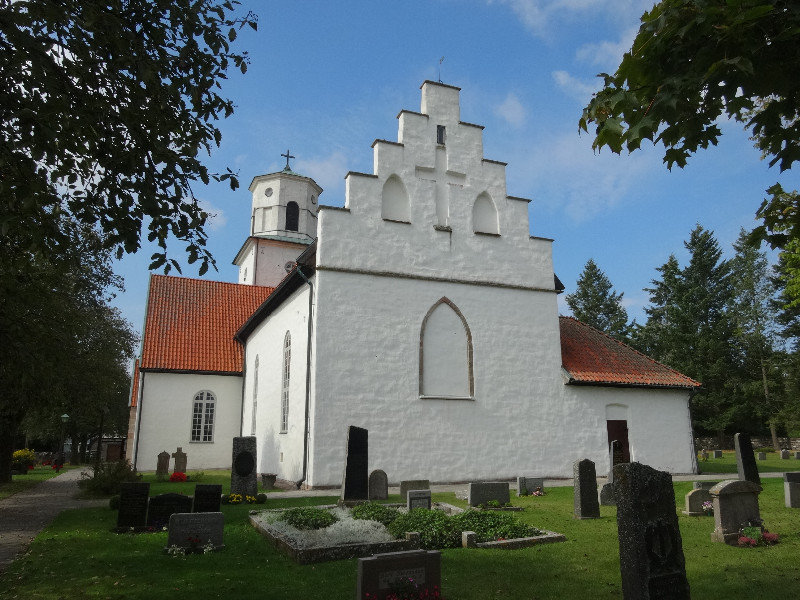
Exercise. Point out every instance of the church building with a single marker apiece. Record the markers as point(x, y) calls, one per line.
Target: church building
point(423, 310)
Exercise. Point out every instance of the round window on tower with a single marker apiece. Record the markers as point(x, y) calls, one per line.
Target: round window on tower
point(268, 192)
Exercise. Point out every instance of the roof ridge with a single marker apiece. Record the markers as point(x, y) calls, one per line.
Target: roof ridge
point(199, 279)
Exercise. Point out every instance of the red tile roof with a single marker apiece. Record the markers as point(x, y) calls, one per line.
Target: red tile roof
point(591, 357)
point(134, 384)
point(190, 324)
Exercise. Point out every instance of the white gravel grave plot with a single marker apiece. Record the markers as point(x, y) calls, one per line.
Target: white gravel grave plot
point(346, 530)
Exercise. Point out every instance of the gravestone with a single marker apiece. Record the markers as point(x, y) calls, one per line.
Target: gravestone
point(355, 480)
point(704, 485)
point(207, 498)
point(762, 456)
point(694, 502)
point(791, 489)
point(784, 455)
point(243, 466)
point(162, 465)
point(485, 491)
point(607, 491)
point(528, 485)
point(651, 559)
point(717, 453)
point(162, 506)
point(413, 484)
point(797, 455)
point(735, 506)
point(192, 531)
point(745, 461)
point(585, 490)
point(180, 461)
point(418, 499)
point(378, 485)
point(380, 574)
point(133, 504)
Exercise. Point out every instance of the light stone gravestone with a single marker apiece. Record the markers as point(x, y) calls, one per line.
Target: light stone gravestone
point(735, 506)
point(762, 456)
point(651, 558)
point(791, 489)
point(378, 485)
point(585, 490)
point(527, 485)
point(355, 479)
point(784, 455)
point(717, 453)
point(161, 507)
point(180, 461)
point(606, 497)
point(485, 491)
point(694, 502)
point(413, 484)
point(745, 461)
point(377, 574)
point(243, 466)
point(418, 499)
point(207, 498)
point(195, 530)
point(162, 465)
point(133, 499)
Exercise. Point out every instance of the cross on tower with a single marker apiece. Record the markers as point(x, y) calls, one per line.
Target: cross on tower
point(445, 182)
point(287, 156)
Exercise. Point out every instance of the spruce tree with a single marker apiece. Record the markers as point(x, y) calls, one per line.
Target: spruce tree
point(595, 303)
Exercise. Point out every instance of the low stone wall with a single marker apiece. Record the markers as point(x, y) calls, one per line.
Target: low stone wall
point(712, 443)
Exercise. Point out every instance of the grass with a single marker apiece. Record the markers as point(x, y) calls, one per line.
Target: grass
point(727, 464)
point(20, 483)
point(78, 557)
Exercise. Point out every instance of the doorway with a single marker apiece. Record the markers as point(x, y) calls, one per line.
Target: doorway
point(618, 430)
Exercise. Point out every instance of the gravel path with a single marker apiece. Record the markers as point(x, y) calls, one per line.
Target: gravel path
point(24, 515)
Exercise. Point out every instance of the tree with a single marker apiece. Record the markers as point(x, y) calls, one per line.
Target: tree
point(695, 61)
point(595, 303)
point(655, 337)
point(106, 110)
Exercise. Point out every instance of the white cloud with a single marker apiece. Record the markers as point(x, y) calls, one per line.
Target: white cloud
point(574, 87)
point(607, 54)
point(511, 110)
point(328, 171)
point(216, 216)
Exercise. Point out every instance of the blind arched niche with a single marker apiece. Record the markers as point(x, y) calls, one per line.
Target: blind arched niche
point(445, 353)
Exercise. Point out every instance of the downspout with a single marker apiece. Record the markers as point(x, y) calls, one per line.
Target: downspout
point(244, 372)
point(695, 466)
point(308, 376)
point(140, 407)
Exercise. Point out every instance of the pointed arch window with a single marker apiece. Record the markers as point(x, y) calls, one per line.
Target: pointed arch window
point(292, 216)
point(255, 397)
point(203, 410)
point(445, 354)
point(287, 361)
point(394, 201)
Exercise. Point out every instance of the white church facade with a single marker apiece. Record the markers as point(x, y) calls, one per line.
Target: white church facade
point(423, 311)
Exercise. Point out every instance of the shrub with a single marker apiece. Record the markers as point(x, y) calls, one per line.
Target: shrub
point(309, 518)
point(22, 460)
point(177, 476)
point(435, 529)
point(373, 511)
point(107, 478)
point(196, 477)
point(489, 526)
point(261, 498)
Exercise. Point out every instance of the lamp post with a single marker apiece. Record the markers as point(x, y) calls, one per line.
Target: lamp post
point(60, 459)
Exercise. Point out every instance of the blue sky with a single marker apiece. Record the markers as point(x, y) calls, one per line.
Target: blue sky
point(327, 78)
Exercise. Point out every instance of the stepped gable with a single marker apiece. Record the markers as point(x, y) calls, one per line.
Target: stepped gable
point(591, 357)
point(190, 324)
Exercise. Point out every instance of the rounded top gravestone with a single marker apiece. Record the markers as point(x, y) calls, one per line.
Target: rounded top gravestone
point(244, 464)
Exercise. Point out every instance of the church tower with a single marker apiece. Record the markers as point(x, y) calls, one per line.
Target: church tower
point(283, 222)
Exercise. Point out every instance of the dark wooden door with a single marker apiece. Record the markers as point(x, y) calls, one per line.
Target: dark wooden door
point(618, 430)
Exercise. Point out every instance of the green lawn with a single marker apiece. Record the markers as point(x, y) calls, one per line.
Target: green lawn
point(24, 482)
point(78, 557)
point(727, 464)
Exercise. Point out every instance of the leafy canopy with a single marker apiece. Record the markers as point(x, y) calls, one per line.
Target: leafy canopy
point(107, 108)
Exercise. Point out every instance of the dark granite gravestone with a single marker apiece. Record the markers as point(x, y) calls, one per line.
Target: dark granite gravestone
point(418, 499)
point(585, 490)
point(193, 531)
point(717, 453)
point(162, 506)
point(735, 506)
point(162, 465)
point(528, 485)
point(784, 455)
point(485, 491)
point(133, 504)
point(413, 484)
point(651, 557)
point(243, 466)
point(378, 485)
point(180, 461)
point(607, 491)
point(355, 480)
point(745, 460)
point(207, 497)
point(797, 455)
point(382, 575)
point(791, 489)
point(761, 455)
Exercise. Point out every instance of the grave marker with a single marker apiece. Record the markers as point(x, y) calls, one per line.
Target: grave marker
point(355, 480)
point(413, 484)
point(762, 456)
point(378, 485)
point(585, 490)
point(418, 499)
point(651, 558)
point(528, 485)
point(694, 502)
point(791, 489)
point(745, 461)
point(735, 506)
point(180, 461)
point(192, 531)
point(207, 498)
point(607, 491)
point(133, 504)
point(162, 506)
point(485, 491)
point(797, 455)
point(379, 575)
point(717, 453)
point(784, 455)
point(243, 466)
point(162, 465)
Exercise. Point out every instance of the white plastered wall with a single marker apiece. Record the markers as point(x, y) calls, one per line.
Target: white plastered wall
point(165, 421)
